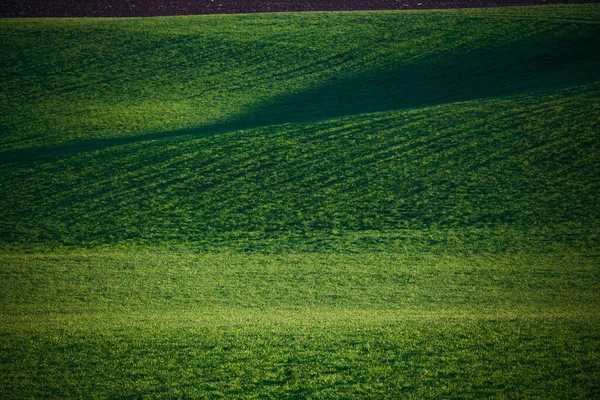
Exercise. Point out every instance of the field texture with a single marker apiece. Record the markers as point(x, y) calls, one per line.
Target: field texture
point(316, 205)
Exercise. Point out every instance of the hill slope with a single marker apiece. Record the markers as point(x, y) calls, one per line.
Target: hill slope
point(319, 205)
point(205, 129)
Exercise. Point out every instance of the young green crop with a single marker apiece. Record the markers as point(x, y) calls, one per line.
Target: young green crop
point(315, 205)
point(219, 130)
point(148, 323)
point(514, 168)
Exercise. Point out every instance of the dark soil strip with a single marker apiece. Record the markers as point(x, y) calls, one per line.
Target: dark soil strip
point(147, 8)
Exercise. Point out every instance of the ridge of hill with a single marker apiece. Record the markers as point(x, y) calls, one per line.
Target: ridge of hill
point(147, 8)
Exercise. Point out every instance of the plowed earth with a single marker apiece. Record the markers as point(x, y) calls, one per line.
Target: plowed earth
point(146, 8)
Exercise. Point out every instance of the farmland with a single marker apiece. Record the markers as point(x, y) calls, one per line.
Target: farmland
point(301, 205)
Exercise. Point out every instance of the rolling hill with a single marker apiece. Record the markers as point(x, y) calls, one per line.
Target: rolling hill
point(314, 205)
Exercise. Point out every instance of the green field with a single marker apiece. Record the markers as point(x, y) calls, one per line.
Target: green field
point(312, 205)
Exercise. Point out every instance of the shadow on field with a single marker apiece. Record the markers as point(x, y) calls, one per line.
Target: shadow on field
point(543, 64)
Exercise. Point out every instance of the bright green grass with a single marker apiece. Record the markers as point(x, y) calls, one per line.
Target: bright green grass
point(119, 324)
point(316, 205)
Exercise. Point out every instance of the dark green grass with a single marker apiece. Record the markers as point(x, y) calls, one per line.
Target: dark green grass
point(516, 168)
point(217, 131)
point(317, 205)
point(76, 80)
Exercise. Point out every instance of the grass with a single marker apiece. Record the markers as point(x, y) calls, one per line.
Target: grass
point(74, 80)
point(315, 205)
point(510, 166)
point(133, 324)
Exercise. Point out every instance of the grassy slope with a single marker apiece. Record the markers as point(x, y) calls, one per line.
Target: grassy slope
point(415, 194)
point(130, 324)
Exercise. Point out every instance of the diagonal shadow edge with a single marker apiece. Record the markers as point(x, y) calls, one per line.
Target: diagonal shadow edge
point(539, 66)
